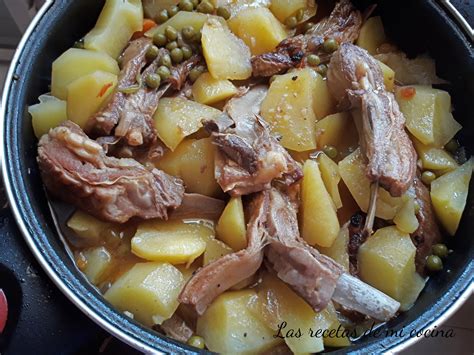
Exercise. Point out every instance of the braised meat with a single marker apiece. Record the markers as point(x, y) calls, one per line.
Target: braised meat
point(343, 25)
point(76, 170)
point(249, 158)
point(220, 275)
point(355, 78)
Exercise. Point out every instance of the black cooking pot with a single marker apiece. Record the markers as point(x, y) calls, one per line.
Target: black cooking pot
point(416, 26)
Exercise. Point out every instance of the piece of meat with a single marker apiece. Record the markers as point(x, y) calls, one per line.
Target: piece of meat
point(176, 328)
point(179, 73)
point(198, 206)
point(76, 170)
point(355, 78)
point(220, 275)
point(310, 274)
point(249, 158)
point(428, 232)
point(343, 25)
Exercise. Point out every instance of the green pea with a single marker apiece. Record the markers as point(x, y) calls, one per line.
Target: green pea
point(313, 60)
point(307, 26)
point(187, 52)
point(153, 80)
point(330, 45)
point(195, 2)
point(205, 7)
point(152, 53)
point(440, 250)
point(196, 341)
point(163, 72)
point(163, 16)
point(171, 33)
point(79, 44)
point(186, 5)
point(195, 73)
point(173, 10)
point(330, 151)
point(299, 15)
point(172, 45)
point(165, 60)
point(188, 32)
point(291, 22)
point(177, 55)
point(452, 146)
point(322, 69)
point(197, 37)
point(159, 39)
point(434, 263)
point(427, 177)
point(129, 89)
point(223, 12)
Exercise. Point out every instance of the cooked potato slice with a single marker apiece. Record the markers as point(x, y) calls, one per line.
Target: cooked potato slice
point(175, 242)
point(258, 28)
point(87, 94)
point(177, 117)
point(231, 225)
point(372, 35)
point(333, 339)
point(215, 249)
point(117, 22)
point(352, 170)
point(432, 158)
point(330, 175)
point(88, 228)
point(47, 114)
point(428, 114)
point(227, 56)
point(98, 263)
point(149, 291)
point(337, 130)
point(338, 250)
point(405, 219)
point(387, 262)
point(75, 63)
point(277, 303)
point(282, 9)
point(449, 194)
point(295, 101)
point(207, 90)
point(193, 161)
point(320, 225)
point(228, 326)
point(181, 20)
point(388, 76)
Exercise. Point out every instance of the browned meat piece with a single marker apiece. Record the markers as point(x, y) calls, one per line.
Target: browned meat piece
point(198, 206)
point(180, 73)
point(220, 275)
point(76, 170)
point(248, 157)
point(428, 232)
point(310, 274)
point(176, 328)
point(343, 25)
point(355, 77)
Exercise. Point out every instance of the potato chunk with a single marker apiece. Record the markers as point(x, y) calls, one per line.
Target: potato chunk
point(75, 63)
point(258, 28)
point(228, 326)
point(295, 101)
point(149, 291)
point(282, 9)
point(331, 178)
point(215, 249)
point(231, 225)
point(428, 114)
point(227, 56)
point(405, 219)
point(177, 117)
point(117, 22)
point(151, 8)
point(338, 250)
point(88, 228)
point(47, 114)
point(193, 161)
point(436, 159)
point(449, 194)
point(320, 225)
point(372, 35)
point(387, 262)
point(352, 170)
point(87, 94)
point(388, 76)
point(98, 264)
point(337, 130)
point(207, 90)
point(175, 242)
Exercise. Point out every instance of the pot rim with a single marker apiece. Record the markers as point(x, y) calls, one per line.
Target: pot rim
point(93, 314)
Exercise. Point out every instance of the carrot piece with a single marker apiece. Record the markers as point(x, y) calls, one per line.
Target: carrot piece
point(147, 24)
point(104, 89)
